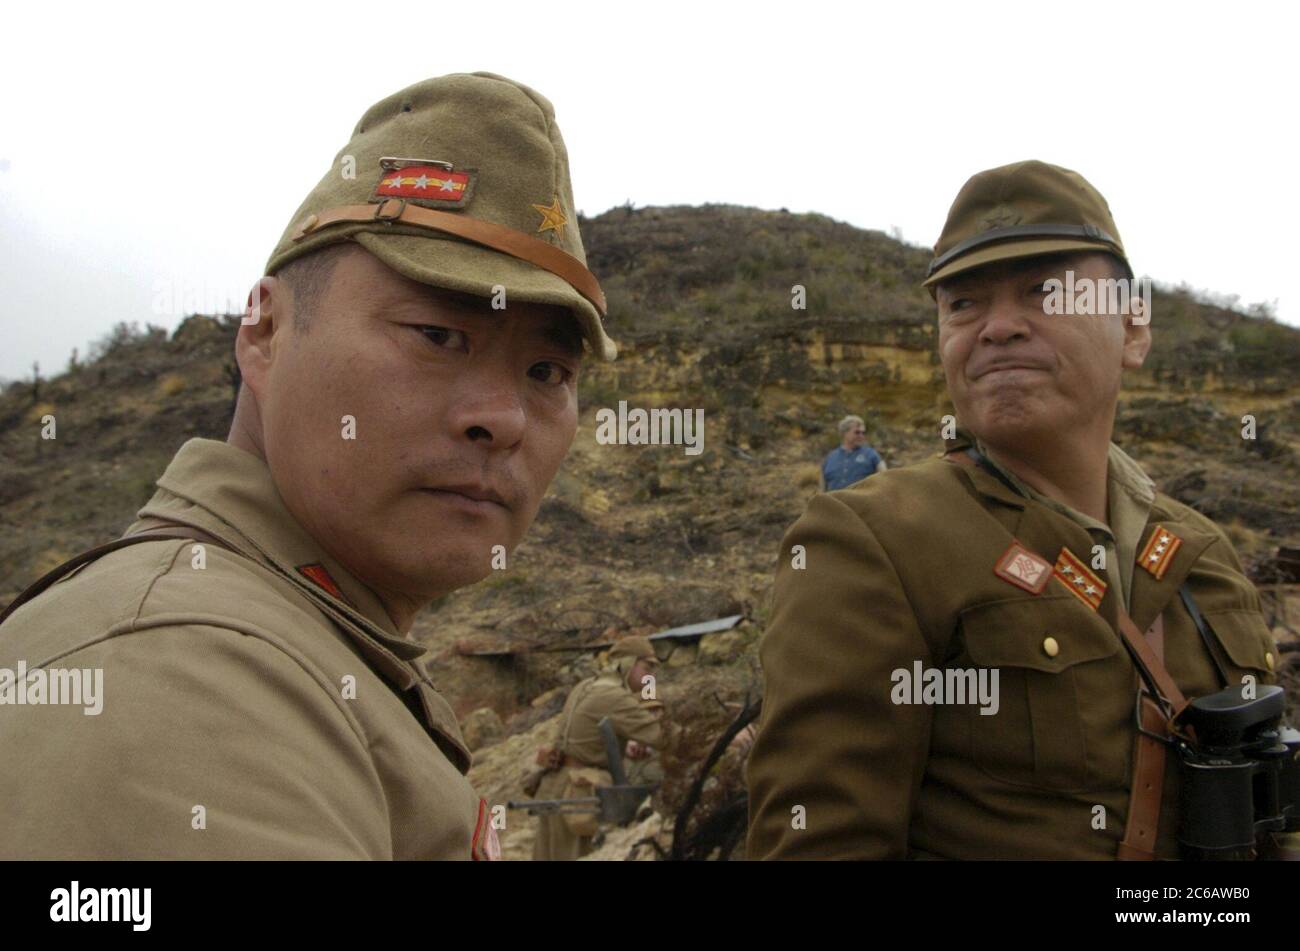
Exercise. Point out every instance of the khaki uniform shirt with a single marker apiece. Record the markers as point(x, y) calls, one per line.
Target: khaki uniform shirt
point(900, 571)
point(595, 698)
point(247, 712)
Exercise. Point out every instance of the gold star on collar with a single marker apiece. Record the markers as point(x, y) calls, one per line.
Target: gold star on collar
point(552, 218)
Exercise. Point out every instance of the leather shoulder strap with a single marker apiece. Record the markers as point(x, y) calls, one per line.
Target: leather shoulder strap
point(165, 530)
point(1152, 669)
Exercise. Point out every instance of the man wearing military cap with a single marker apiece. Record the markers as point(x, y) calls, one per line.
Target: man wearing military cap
point(1033, 548)
point(623, 691)
point(409, 370)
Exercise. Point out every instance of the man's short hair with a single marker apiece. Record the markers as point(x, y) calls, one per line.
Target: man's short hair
point(308, 277)
point(1119, 268)
point(851, 422)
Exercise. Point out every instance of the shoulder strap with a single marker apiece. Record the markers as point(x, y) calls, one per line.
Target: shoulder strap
point(163, 531)
point(1154, 722)
point(1158, 680)
point(1203, 628)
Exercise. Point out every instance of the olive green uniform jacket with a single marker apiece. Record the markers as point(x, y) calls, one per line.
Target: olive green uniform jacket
point(593, 699)
point(248, 713)
point(900, 569)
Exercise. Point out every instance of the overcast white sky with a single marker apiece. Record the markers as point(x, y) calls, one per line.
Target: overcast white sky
point(147, 146)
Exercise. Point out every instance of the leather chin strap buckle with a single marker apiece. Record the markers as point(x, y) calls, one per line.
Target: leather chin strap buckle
point(383, 215)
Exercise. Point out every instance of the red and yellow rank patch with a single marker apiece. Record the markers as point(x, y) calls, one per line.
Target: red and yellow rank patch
point(1158, 553)
point(431, 185)
point(1079, 579)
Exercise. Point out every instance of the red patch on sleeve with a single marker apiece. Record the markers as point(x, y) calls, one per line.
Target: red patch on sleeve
point(485, 846)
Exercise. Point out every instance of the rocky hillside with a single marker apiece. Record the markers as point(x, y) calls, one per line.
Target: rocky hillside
point(638, 539)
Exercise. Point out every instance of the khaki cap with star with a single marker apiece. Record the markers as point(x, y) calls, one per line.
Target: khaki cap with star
point(460, 182)
point(1022, 210)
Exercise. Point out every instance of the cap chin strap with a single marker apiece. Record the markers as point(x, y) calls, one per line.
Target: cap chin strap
point(497, 237)
point(1081, 232)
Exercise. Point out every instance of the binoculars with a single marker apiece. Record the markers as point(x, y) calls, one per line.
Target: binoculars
point(1240, 775)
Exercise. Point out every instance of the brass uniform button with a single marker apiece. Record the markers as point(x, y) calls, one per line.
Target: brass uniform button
point(1050, 647)
point(1268, 656)
point(309, 223)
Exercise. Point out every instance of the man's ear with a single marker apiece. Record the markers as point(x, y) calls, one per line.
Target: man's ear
point(254, 344)
point(1137, 343)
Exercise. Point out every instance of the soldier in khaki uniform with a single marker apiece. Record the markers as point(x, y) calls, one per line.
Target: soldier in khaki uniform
point(409, 390)
point(579, 758)
point(1028, 549)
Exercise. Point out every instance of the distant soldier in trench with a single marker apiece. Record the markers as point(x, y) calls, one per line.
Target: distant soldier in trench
point(623, 691)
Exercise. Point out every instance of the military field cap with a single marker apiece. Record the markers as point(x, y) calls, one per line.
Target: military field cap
point(461, 182)
point(639, 647)
point(1019, 211)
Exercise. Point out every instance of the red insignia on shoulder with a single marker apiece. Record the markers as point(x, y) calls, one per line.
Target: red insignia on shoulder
point(1023, 568)
point(1079, 579)
point(485, 846)
point(1159, 551)
point(321, 578)
point(426, 182)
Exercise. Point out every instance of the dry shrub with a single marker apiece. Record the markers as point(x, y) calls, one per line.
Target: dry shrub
point(171, 384)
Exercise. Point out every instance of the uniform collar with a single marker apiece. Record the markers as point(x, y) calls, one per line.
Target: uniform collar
point(1129, 492)
point(1122, 473)
point(987, 481)
point(230, 493)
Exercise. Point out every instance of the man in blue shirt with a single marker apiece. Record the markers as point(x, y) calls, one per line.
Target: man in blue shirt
point(853, 460)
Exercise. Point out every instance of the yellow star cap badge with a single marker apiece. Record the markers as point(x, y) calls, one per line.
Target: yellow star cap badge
point(552, 217)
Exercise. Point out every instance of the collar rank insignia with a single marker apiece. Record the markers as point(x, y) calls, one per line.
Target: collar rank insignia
point(321, 578)
point(1023, 568)
point(1159, 551)
point(1080, 581)
point(427, 182)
